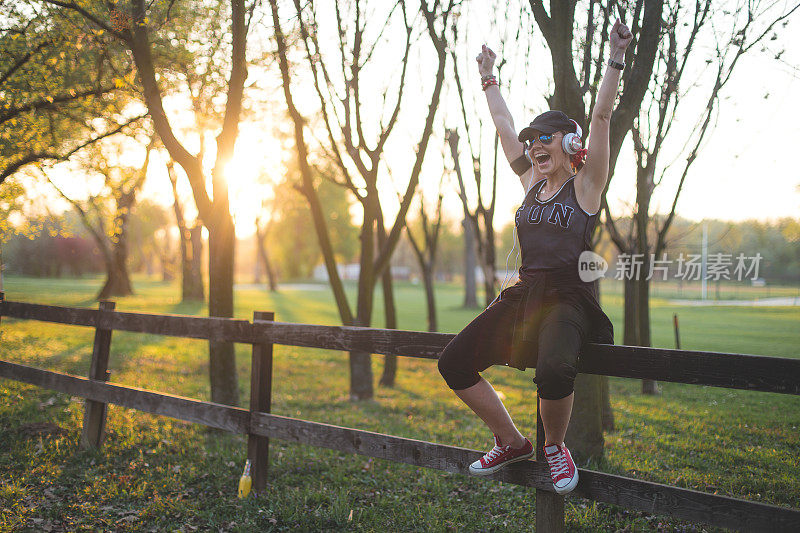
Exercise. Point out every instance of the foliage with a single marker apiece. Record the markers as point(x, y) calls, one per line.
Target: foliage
point(60, 85)
point(777, 241)
point(11, 201)
point(51, 245)
point(292, 242)
point(148, 232)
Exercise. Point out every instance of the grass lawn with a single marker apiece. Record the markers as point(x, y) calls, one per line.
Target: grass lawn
point(159, 474)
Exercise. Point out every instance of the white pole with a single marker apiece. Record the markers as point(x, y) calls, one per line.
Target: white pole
point(704, 287)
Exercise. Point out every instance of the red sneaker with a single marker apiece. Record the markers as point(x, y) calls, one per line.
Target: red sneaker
point(562, 468)
point(499, 457)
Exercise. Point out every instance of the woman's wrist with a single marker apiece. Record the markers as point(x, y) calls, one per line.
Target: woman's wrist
point(488, 80)
point(617, 55)
point(486, 75)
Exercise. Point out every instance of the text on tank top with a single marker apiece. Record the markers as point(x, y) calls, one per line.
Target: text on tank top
point(552, 233)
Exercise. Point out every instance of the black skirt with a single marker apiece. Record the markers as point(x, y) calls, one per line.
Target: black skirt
point(566, 286)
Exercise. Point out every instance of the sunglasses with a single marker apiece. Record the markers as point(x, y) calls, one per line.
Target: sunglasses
point(544, 138)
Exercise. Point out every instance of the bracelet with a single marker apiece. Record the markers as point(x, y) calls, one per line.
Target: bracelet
point(485, 84)
point(616, 64)
point(484, 78)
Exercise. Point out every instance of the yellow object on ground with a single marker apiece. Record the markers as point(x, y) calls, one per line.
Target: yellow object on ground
point(245, 482)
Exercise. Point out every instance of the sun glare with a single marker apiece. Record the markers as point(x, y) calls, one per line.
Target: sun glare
point(250, 176)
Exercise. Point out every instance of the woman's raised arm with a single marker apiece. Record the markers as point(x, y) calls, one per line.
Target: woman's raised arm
point(501, 116)
point(591, 179)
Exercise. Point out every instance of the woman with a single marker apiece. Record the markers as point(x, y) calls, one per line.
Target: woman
point(545, 318)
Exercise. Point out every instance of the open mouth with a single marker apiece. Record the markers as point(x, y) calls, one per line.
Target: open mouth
point(542, 158)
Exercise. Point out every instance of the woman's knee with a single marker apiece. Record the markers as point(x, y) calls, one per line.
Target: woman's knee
point(555, 378)
point(456, 371)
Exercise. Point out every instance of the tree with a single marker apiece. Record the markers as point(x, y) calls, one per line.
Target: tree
point(426, 253)
point(348, 142)
point(106, 213)
point(263, 257)
point(478, 224)
point(190, 242)
point(145, 29)
point(646, 237)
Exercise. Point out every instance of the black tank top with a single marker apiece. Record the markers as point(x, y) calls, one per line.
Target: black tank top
point(552, 234)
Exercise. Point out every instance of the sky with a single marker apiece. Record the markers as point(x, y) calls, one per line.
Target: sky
point(745, 168)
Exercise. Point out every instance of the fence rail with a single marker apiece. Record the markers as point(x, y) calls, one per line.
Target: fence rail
point(723, 370)
point(728, 370)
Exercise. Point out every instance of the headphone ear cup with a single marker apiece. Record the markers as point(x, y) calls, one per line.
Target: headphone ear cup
point(571, 143)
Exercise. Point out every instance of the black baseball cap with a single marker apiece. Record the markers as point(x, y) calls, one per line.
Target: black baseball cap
point(548, 122)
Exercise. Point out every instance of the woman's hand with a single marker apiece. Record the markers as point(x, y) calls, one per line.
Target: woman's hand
point(619, 39)
point(486, 61)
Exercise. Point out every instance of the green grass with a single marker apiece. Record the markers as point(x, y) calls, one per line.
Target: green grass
point(160, 474)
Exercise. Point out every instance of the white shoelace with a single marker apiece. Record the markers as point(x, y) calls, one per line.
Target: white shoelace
point(495, 453)
point(558, 464)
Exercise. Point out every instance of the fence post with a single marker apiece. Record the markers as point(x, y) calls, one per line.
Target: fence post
point(260, 401)
point(549, 505)
point(94, 415)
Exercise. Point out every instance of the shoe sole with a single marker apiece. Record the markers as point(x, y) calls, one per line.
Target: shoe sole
point(493, 469)
point(569, 487)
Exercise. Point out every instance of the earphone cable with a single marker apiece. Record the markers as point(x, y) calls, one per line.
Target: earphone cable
point(516, 258)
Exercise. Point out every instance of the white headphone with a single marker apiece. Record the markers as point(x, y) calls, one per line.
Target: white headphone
point(571, 142)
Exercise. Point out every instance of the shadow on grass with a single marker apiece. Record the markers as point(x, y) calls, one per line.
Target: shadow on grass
point(187, 307)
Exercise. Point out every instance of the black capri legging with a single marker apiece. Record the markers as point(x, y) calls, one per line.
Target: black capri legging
point(486, 341)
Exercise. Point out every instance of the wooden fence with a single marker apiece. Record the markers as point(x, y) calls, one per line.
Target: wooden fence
point(735, 371)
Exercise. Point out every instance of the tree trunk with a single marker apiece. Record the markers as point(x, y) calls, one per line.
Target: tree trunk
point(184, 242)
point(118, 282)
point(193, 266)
point(222, 361)
point(641, 309)
point(427, 276)
point(607, 414)
point(591, 414)
point(637, 320)
point(490, 272)
point(257, 263)
point(585, 432)
point(164, 260)
point(630, 336)
point(489, 284)
point(470, 261)
point(390, 361)
point(649, 386)
point(263, 259)
point(361, 387)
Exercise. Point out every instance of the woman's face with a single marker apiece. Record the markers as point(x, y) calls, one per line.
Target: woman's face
point(548, 158)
